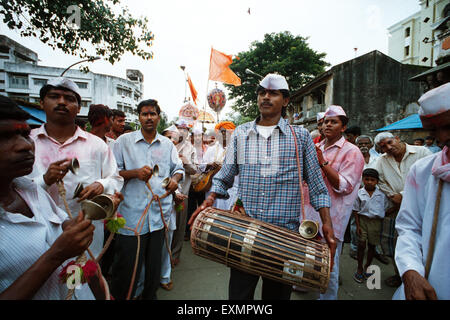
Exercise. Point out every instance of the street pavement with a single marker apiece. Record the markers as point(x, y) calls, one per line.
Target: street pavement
point(196, 278)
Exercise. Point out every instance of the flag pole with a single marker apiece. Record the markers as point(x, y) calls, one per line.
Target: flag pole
point(206, 95)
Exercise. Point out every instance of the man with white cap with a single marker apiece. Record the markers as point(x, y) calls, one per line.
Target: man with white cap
point(393, 166)
point(423, 221)
point(263, 154)
point(342, 164)
point(59, 140)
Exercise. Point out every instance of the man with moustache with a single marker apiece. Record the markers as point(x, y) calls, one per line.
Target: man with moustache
point(58, 141)
point(422, 260)
point(269, 182)
point(36, 236)
point(137, 153)
point(393, 167)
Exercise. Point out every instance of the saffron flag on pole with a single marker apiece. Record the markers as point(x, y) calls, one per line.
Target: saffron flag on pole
point(219, 69)
point(193, 91)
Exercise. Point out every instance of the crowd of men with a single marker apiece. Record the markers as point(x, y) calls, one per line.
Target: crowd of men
point(382, 193)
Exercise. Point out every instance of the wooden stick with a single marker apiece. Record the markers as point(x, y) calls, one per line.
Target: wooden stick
point(433, 229)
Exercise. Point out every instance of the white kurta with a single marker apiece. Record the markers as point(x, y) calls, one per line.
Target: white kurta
point(24, 240)
point(414, 223)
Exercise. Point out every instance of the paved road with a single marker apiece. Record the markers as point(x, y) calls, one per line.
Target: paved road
point(196, 278)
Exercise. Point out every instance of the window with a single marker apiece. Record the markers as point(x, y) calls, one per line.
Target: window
point(124, 92)
point(39, 82)
point(406, 51)
point(82, 85)
point(407, 32)
point(18, 81)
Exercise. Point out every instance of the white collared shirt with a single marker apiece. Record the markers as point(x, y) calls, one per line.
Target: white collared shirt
point(24, 240)
point(393, 174)
point(132, 151)
point(414, 224)
point(371, 206)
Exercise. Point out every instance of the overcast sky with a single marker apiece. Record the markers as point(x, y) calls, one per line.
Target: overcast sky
point(185, 31)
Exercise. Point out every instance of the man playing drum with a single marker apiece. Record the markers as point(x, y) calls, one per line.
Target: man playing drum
point(262, 153)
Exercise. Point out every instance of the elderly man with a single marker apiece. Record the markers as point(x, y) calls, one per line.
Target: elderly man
point(342, 165)
point(36, 237)
point(393, 166)
point(137, 153)
point(269, 181)
point(423, 220)
point(60, 140)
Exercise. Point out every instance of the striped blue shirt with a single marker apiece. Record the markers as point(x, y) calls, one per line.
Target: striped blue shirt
point(268, 174)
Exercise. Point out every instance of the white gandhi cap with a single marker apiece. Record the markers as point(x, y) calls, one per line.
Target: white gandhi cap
point(274, 82)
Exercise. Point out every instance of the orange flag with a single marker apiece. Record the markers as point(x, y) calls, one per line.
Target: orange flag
point(193, 91)
point(219, 68)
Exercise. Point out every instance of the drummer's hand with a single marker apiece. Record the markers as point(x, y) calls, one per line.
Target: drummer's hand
point(207, 203)
point(328, 234)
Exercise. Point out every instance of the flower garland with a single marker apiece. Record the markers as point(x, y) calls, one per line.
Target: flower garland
point(89, 268)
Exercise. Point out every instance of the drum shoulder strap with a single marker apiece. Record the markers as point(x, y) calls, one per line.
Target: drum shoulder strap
point(297, 157)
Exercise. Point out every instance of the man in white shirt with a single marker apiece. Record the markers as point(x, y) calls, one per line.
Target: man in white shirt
point(393, 166)
point(36, 237)
point(60, 140)
point(423, 261)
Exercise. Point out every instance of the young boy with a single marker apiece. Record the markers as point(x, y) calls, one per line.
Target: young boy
point(369, 210)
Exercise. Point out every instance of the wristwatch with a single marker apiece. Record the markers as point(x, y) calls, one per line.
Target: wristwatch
point(323, 164)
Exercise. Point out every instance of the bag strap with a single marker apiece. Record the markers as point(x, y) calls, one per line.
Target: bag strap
point(299, 172)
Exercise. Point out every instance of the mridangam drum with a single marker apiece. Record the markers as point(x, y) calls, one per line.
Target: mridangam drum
point(260, 248)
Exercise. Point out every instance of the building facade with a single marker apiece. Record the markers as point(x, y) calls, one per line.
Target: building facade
point(21, 78)
point(414, 40)
point(373, 89)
